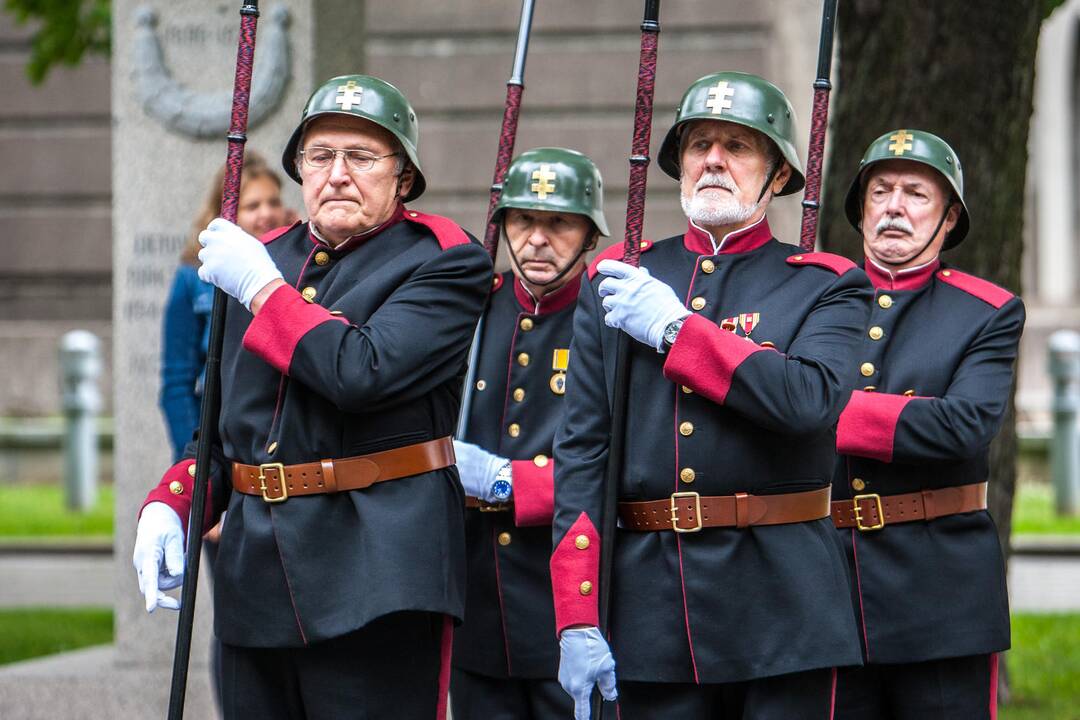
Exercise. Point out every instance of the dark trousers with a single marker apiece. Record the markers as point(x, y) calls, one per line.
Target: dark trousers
point(963, 688)
point(396, 666)
point(799, 696)
point(479, 697)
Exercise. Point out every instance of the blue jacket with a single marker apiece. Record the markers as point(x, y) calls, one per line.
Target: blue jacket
point(185, 337)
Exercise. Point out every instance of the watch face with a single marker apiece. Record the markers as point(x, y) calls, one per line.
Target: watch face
point(501, 489)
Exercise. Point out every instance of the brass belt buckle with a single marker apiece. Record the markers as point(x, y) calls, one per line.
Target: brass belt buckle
point(858, 512)
point(281, 479)
point(675, 512)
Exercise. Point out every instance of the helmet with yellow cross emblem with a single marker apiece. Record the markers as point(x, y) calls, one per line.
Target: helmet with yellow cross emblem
point(366, 97)
point(556, 180)
point(914, 146)
point(743, 99)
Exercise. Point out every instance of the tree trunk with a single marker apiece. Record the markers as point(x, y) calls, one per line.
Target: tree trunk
point(964, 71)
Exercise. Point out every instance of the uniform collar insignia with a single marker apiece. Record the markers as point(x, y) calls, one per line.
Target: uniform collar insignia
point(358, 239)
point(743, 240)
point(552, 302)
point(907, 279)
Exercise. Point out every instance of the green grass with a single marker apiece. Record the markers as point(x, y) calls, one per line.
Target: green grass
point(1044, 668)
point(1034, 513)
point(32, 632)
point(39, 511)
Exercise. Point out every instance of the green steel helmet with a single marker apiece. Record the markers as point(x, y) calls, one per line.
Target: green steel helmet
point(743, 99)
point(917, 146)
point(365, 97)
point(556, 180)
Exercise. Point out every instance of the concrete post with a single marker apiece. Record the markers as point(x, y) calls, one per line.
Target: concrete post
point(80, 366)
point(1064, 367)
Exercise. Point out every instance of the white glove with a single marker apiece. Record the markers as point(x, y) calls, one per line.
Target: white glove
point(638, 303)
point(159, 555)
point(477, 468)
point(585, 660)
point(235, 261)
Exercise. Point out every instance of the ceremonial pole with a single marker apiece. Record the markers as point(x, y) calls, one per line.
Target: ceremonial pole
point(635, 218)
point(507, 136)
point(211, 403)
point(819, 123)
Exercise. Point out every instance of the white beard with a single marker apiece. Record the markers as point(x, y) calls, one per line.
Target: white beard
point(717, 208)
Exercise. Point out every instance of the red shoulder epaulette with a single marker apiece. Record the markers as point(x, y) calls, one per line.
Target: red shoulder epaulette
point(837, 263)
point(496, 283)
point(272, 235)
point(613, 252)
point(985, 290)
point(446, 231)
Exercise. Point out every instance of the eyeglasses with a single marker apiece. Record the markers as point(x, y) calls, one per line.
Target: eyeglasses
point(321, 158)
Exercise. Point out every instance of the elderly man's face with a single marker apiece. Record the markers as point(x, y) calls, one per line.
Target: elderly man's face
point(724, 166)
point(544, 243)
point(902, 205)
point(340, 201)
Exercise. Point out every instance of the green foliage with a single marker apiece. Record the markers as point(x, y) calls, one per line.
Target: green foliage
point(39, 511)
point(1044, 668)
point(66, 31)
point(32, 632)
point(1034, 512)
point(1049, 6)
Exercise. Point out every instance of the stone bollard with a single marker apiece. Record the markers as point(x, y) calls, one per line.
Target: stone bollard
point(1064, 367)
point(80, 366)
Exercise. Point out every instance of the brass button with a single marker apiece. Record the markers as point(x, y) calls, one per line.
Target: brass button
point(876, 333)
point(495, 281)
point(687, 475)
point(585, 588)
point(176, 487)
point(271, 447)
point(909, 393)
point(707, 266)
point(523, 359)
point(541, 460)
point(867, 369)
point(858, 485)
point(698, 303)
point(322, 257)
point(481, 384)
point(309, 293)
point(797, 258)
point(686, 429)
point(687, 390)
point(885, 301)
point(946, 273)
point(644, 245)
point(504, 539)
point(766, 343)
point(191, 469)
point(526, 324)
point(519, 394)
point(412, 214)
point(870, 388)
point(581, 542)
point(514, 430)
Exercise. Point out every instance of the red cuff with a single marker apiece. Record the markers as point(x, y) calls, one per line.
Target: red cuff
point(534, 491)
point(282, 321)
point(867, 426)
point(575, 572)
point(180, 502)
point(704, 358)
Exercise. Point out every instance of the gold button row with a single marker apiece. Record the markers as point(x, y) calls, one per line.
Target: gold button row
point(514, 430)
point(707, 266)
point(867, 369)
point(876, 333)
point(687, 475)
point(698, 303)
point(581, 542)
point(309, 293)
point(686, 429)
point(519, 394)
point(322, 257)
point(523, 359)
point(885, 301)
point(526, 324)
point(504, 539)
point(858, 485)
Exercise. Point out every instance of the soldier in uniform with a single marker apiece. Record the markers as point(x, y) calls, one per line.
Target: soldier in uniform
point(730, 590)
point(506, 655)
point(342, 559)
point(910, 481)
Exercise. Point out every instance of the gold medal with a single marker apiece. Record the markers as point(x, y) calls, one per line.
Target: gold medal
point(560, 361)
point(558, 383)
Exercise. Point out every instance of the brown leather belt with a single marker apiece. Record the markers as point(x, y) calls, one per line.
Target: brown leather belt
point(873, 511)
point(477, 504)
point(352, 473)
point(689, 512)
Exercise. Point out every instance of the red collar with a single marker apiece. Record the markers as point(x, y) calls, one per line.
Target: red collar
point(906, 279)
point(745, 239)
point(356, 240)
point(552, 302)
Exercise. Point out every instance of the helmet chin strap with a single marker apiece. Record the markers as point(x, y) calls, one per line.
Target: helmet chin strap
point(933, 235)
point(586, 246)
point(768, 182)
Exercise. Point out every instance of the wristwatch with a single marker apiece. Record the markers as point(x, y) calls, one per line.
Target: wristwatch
point(503, 486)
point(671, 332)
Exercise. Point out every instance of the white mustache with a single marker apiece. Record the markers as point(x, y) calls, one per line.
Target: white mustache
point(894, 223)
point(713, 180)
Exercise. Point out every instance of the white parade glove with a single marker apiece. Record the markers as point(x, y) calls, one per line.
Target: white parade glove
point(159, 555)
point(235, 261)
point(638, 303)
point(585, 660)
point(477, 468)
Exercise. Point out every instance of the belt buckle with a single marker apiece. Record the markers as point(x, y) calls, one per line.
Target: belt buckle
point(675, 511)
point(858, 512)
point(281, 478)
point(486, 507)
